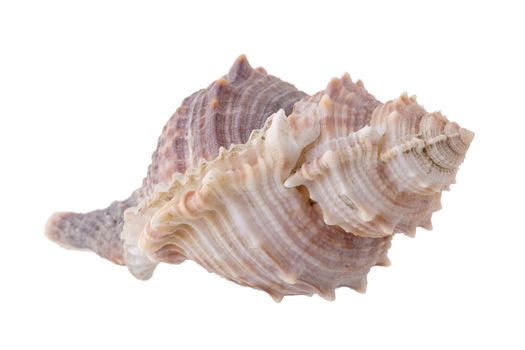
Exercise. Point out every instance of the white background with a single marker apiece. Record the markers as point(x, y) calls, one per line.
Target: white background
point(85, 90)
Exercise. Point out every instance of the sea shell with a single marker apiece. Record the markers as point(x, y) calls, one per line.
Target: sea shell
point(291, 205)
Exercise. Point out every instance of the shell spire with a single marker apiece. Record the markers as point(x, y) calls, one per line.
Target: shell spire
point(382, 178)
point(276, 190)
point(241, 69)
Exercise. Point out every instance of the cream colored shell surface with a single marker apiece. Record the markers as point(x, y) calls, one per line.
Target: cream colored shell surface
point(296, 202)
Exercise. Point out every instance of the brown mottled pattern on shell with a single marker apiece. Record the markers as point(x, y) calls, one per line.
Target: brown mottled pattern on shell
point(223, 114)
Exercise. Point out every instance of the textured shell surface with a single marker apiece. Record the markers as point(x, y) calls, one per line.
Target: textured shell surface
point(277, 190)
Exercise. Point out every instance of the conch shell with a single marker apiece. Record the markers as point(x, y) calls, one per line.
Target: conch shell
point(276, 190)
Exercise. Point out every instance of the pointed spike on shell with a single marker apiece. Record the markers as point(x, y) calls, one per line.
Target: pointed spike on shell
point(326, 104)
point(410, 231)
point(360, 285)
point(276, 296)
point(219, 87)
point(334, 86)
point(427, 225)
point(346, 78)
point(327, 294)
point(221, 82)
point(466, 135)
point(410, 234)
point(403, 99)
point(294, 181)
point(384, 261)
point(218, 90)
point(241, 68)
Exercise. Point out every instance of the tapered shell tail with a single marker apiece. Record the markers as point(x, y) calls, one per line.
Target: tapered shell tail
point(97, 231)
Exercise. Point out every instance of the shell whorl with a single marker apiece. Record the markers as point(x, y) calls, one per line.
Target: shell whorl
point(291, 205)
point(223, 114)
point(386, 177)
